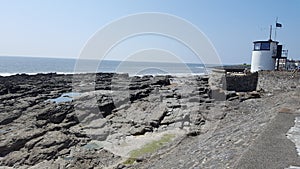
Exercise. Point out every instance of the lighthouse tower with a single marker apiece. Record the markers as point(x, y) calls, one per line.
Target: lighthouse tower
point(264, 55)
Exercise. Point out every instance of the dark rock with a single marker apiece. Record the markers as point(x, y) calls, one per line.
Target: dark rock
point(6, 118)
point(18, 142)
point(105, 104)
point(193, 133)
point(249, 95)
point(230, 94)
point(137, 131)
point(161, 80)
point(55, 114)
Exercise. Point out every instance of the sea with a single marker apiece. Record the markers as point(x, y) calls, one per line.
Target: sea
point(11, 65)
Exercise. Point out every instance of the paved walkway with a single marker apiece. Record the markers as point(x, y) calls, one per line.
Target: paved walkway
point(272, 149)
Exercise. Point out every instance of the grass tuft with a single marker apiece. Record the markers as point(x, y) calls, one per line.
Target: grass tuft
point(149, 148)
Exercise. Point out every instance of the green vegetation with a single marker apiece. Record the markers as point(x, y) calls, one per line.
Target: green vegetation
point(245, 64)
point(149, 148)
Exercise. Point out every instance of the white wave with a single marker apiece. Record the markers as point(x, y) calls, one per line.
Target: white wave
point(153, 74)
point(172, 74)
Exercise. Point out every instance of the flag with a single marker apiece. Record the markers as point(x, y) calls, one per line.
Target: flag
point(278, 25)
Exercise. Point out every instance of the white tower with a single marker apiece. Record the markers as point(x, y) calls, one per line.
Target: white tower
point(264, 55)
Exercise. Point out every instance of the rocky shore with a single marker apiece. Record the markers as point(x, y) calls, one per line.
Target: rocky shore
point(109, 120)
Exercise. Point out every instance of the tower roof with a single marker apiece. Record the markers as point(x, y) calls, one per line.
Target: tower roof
point(264, 41)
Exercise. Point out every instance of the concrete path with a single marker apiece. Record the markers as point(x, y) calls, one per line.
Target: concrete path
point(272, 149)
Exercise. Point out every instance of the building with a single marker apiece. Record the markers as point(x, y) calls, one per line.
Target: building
point(266, 55)
point(292, 64)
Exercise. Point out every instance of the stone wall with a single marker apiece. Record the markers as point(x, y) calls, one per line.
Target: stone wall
point(271, 81)
point(215, 78)
point(238, 82)
point(268, 81)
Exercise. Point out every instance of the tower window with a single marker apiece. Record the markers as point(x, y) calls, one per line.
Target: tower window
point(257, 46)
point(262, 46)
point(265, 46)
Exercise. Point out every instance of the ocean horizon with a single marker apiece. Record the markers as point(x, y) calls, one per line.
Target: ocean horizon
point(11, 65)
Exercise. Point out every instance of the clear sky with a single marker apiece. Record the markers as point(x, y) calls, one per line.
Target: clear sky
point(60, 28)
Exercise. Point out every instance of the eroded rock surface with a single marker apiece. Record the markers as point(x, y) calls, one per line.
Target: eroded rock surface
point(113, 115)
point(36, 131)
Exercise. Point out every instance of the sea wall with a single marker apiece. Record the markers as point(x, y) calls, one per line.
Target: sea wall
point(271, 81)
point(268, 81)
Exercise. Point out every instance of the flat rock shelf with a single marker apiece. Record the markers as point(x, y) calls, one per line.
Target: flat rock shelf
point(109, 120)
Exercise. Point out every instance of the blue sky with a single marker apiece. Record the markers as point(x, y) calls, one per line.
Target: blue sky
point(60, 28)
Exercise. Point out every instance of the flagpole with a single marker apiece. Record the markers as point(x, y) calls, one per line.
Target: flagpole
point(276, 29)
point(270, 32)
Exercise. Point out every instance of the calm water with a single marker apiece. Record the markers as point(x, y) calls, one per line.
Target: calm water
point(30, 65)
